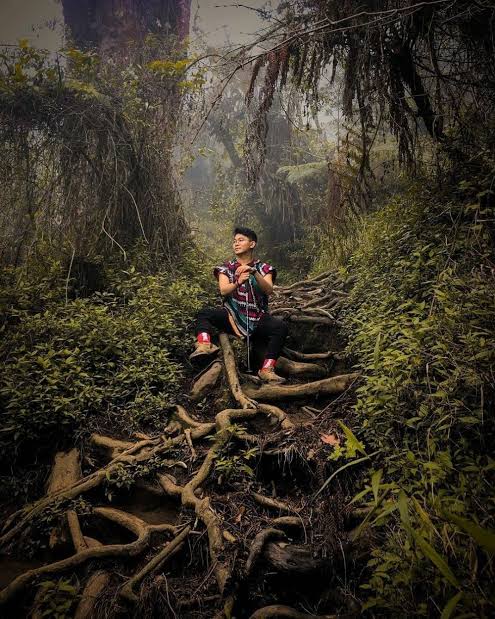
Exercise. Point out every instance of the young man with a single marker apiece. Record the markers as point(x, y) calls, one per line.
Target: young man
point(245, 284)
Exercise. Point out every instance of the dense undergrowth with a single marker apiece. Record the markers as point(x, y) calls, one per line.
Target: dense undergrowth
point(113, 359)
point(420, 323)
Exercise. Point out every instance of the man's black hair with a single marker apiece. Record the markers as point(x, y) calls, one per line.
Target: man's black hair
point(251, 234)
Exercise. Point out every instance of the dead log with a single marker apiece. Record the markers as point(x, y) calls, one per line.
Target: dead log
point(206, 382)
point(327, 386)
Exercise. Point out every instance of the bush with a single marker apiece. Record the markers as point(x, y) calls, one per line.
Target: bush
point(111, 359)
point(420, 323)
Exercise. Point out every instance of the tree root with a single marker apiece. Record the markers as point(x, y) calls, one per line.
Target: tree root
point(272, 503)
point(317, 320)
point(297, 368)
point(66, 471)
point(206, 382)
point(291, 559)
point(327, 386)
point(134, 524)
point(278, 611)
point(148, 448)
point(231, 369)
point(300, 356)
point(258, 545)
point(95, 586)
point(112, 445)
point(166, 553)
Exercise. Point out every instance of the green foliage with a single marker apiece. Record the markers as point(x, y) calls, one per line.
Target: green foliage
point(58, 598)
point(112, 358)
point(230, 467)
point(420, 323)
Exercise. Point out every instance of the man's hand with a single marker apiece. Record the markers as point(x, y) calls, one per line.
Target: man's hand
point(244, 268)
point(243, 277)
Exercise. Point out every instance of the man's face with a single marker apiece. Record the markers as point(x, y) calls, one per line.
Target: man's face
point(242, 244)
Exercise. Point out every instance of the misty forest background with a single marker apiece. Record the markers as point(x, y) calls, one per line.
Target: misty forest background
point(358, 139)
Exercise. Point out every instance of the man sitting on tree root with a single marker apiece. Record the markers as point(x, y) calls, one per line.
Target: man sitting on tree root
point(245, 284)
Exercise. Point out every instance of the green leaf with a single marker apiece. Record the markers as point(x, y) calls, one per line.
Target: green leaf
point(450, 606)
point(375, 483)
point(348, 464)
point(353, 445)
point(403, 509)
point(435, 558)
point(376, 352)
point(484, 537)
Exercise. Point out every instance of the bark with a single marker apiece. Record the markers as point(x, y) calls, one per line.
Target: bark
point(327, 386)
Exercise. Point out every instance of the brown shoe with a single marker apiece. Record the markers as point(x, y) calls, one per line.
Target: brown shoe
point(203, 349)
point(268, 375)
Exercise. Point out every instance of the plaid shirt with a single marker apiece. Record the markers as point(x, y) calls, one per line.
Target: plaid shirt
point(247, 303)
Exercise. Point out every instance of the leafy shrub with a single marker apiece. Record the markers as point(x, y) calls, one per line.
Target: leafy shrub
point(420, 322)
point(114, 358)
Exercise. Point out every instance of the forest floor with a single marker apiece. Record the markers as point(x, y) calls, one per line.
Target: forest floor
point(237, 508)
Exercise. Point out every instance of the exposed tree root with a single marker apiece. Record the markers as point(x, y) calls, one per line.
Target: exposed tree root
point(135, 525)
point(298, 368)
point(299, 356)
point(97, 583)
point(166, 553)
point(327, 386)
point(266, 501)
point(198, 485)
point(137, 453)
point(291, 559)
point(66, 471)
point(278, 611)
point(206, 382)
point(113, 446)
point(231, 369)
point(258, 545)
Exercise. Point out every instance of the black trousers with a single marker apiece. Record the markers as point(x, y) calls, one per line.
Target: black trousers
point(269, 329)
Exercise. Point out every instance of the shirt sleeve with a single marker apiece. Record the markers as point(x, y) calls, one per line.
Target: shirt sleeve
point(266, 268)
point(221, 268)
